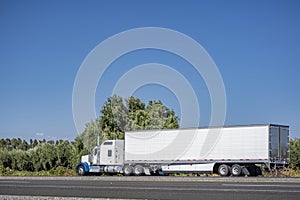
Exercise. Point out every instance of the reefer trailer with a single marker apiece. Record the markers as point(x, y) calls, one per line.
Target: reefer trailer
point(231, 150)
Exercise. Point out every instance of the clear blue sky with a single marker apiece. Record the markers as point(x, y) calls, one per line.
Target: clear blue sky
point(255, 45)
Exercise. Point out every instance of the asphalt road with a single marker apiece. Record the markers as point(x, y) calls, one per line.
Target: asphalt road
point(152, 187)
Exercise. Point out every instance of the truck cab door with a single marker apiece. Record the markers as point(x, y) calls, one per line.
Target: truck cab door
point(96, 155)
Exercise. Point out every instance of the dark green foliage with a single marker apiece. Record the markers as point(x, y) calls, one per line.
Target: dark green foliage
point(15, 144)
point(40, 156)
point(117, 116)
point(78, 151)
point(89, 135)
point(295, 153)
point(5, 158)
point(114, 118)
point(64, 152)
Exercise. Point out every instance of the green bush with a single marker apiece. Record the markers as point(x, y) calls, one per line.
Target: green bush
point(295, 153)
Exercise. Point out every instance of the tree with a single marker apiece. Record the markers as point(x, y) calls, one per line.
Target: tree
point(5, 158)
point(78, 151)
point(14, 143)
point(117, 117)
point(8, 143)
point(43, 156)
point(48, 156)
point(141, 120)
point(51, 142)
point(35, 143)
point(2, 144)
point(19, 143)
point(64, 154)
point(90, 134)
point(138, 117)
point(30, 143)
point(23, 145)
point(134, 105)
point(161, 117)
point(295, 153)
point(114, 119)
point(20, 160)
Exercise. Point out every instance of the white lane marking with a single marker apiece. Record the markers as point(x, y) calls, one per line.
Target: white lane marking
point(157, 188)
point(22, 197)
point(252, 185)
point(1, 182)
point(160, 179)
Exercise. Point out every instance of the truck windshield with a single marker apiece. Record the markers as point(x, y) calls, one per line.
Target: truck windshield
point(96, 150)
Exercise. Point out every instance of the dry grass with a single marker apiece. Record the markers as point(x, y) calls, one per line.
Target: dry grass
point(59, 171)
point(283, 173)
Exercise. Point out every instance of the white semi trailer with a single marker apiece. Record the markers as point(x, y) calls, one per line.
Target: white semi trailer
point(231, 150)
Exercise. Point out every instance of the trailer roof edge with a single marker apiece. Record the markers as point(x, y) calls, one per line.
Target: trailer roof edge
point(205, 127)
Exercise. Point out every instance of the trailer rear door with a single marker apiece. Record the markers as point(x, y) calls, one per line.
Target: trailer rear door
point(279, 143)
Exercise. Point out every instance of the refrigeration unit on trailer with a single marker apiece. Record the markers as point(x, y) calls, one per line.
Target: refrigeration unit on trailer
point(228, 150)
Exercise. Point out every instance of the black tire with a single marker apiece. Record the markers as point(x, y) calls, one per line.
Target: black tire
point(127, 171)
point(223, 170)
point(236, 170)
point(258, 171)
point(252, 170)
point(229, 170)
point(138, 170)
point(81, 170)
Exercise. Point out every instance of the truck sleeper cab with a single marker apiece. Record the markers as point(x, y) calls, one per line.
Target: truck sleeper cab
point(106, 158)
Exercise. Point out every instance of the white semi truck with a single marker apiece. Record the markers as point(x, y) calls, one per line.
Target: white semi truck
point(231, 150)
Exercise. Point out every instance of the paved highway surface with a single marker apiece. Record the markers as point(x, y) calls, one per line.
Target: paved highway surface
point(152, 187)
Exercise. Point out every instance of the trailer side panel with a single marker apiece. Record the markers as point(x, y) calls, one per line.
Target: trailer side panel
point(241, 143)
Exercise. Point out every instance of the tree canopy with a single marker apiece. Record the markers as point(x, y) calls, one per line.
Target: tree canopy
point(295, 153)
point(118, 116)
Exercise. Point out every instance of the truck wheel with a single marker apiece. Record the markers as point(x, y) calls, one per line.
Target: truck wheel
point(252, 170)
point(138, 170)
point(128, 170)
point(258, 171)
point(223, 170)
point(236, 170)
point(80, 171)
